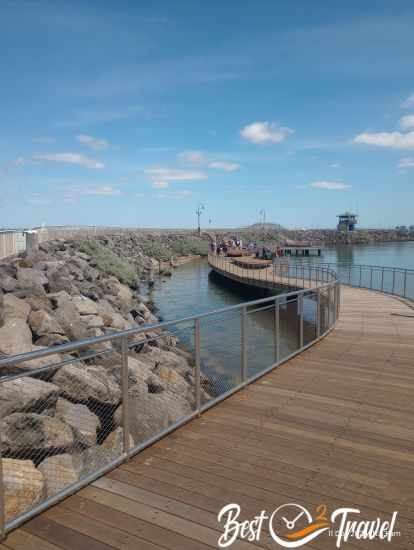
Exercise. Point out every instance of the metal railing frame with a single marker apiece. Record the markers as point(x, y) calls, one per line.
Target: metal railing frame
point(324, 279)
point(344, 272)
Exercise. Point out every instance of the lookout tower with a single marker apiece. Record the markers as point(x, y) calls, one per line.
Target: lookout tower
point(347, 222)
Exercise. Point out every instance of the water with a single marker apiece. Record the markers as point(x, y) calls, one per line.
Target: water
point(194, 288)
point(395, 254)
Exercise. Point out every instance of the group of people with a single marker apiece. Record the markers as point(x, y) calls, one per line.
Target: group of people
point(223, 247)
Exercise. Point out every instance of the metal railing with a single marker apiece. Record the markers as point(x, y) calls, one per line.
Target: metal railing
point(90, 405)
point(398, 281)
point(291, 275)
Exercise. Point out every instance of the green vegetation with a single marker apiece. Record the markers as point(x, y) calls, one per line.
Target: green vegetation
point(184, 246)
point(108, 262)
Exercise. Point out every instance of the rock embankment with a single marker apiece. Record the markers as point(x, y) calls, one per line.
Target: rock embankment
point(61, 424)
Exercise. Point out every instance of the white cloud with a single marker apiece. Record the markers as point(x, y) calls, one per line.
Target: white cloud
point(393, 140)
point(38, 200)
point(161, 177)
point(329, 185)
point(93, 143)
point(409, 102)
point(192, 157)
point(70, 158)
point(265, 132)
point(406, 163)
point(407, 122)
point(101, 191)
point(336, 165)
point(226, 166)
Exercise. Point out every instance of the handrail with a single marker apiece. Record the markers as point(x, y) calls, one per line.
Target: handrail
point(316, 309)
point(398, 281)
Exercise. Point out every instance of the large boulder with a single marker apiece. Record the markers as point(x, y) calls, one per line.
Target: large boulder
point(85, 306)
point(31, 278)
point(27, 393)
point(7, 283)
point(30, 433)
point(115, 440)
point(60, 471)
point(34, 364)
point(67, 315)
point(151, 412)
point(84, 423)
point(82, 383)
point(157, 357)
point(23, 486)
point(41, 322)
point(15, 336)
point(15, 308)
point(106, 312)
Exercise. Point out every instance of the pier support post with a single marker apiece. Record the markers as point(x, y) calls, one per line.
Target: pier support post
point(125, 396)
point(301, 308)
point(276, 332)
point(197, 364)
point(243, 343)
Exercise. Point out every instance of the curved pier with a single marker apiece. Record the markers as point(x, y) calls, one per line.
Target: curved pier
point(332, 426)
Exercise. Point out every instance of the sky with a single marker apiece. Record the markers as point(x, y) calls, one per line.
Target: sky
point(135, 113)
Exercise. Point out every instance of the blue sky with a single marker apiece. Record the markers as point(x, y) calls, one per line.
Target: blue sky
point(133, 113)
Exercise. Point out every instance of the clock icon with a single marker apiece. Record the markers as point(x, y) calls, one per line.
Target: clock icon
point(291, 525)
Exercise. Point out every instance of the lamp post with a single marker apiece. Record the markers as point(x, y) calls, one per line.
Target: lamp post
point(200, 209)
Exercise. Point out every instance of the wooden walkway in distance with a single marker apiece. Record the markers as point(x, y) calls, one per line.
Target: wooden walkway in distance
point(334, 425)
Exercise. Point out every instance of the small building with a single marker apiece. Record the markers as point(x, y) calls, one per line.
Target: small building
point(298, 248)
point(347, 222)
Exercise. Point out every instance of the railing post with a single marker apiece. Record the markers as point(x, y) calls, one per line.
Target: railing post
point(370, 281)
point(197, 376)
point(393, 280)
point(360, 275)
point(300, 297)
point(125, 395)
point(405, 283)
point(243, 355)
point(277, 331)
point(382, 279)
point(349, 275)
point(318, 311)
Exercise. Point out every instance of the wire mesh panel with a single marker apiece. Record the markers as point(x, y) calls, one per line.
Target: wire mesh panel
point(309, 317)
point(57, 427)
point(161, 382)
point(220, 353)
point(260, 337)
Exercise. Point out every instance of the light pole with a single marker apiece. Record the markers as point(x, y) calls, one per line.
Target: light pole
point(200, 209)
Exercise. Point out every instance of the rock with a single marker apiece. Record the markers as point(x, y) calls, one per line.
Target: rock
point(81, 383)
point(14, 308)
point(52, 340)
point(151, 413)
point(115, 440)
point(15, 336)
point(38, 302)
point(93, 321)
point(68, 317)
point(85, 306)
point(7, 283)
point(26, 393)
point(95, 458)
point(106, 312)
point(23, 486)
point(156, 357)
point(41, 323)
point(41, 361)
point(59, 471)
point(31, 278)
point(83, 256)
point(31, 433)
point(84, 423)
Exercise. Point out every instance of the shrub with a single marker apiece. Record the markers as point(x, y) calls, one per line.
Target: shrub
point(108, 262)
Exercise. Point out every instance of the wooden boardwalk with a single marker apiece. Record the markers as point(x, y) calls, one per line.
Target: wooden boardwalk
point(334, 425)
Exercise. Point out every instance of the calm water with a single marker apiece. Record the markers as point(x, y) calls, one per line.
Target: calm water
point(194, 288)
